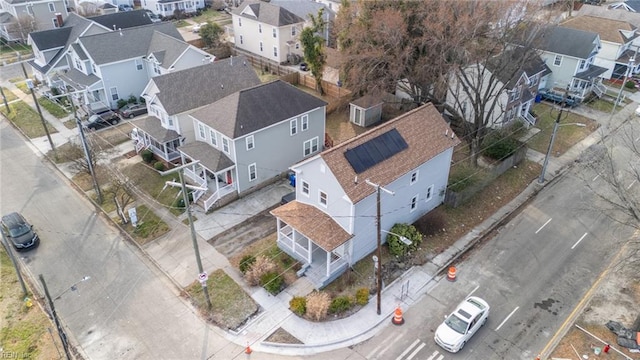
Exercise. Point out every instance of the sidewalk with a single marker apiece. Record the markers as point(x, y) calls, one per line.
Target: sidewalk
point(174, 255)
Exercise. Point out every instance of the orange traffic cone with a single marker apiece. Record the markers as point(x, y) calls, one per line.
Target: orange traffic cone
point(538, 357)
point(397, 317)
point(248, 349)
point(451, 275)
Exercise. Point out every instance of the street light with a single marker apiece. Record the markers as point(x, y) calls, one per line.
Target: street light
point(403, 239)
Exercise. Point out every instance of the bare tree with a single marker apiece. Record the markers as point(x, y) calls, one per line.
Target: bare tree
point(22, 27)
point(74, 154)
point(121, 190)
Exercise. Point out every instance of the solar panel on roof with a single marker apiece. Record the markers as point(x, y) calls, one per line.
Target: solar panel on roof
point(375, 150)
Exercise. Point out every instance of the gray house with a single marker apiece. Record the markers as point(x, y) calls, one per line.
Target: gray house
point(172, 96)
point(247, 139)
point(332, 222)
point(20, 17)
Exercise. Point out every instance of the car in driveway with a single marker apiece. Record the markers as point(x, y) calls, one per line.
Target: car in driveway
point(130, 111)
point(458, 328)
point(196, 28)
point(102, 120)
point(19, 232)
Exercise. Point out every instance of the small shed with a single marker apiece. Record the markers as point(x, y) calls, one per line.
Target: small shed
point(365, 111)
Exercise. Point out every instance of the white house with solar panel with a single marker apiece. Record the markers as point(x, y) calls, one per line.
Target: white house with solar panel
point(332, 222)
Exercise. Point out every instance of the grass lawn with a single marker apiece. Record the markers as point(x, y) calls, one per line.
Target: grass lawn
point(149, 226)
point(70, 124)
point(566, 136)
point(23, 333)
point(181, 23)
point(9, 95)
point(53, 108)
point(154, 185)
point(27, 119)
point(22, 85)
point(601, 105)
point(210, 15)
point(231, 306)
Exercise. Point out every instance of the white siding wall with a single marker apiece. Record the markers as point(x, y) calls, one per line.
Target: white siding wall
point(124, 76)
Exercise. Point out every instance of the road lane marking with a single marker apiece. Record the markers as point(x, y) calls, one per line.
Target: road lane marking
point(408, 349)
point(595, 178)
point(474, 290)
point(374, 351)
point(415, 352)
point(507, 318)
point(630, 185)
point(433, 356)
point(543, 225)
point(578, 242)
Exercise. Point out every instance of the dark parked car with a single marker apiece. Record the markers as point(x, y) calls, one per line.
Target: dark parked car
point(288, 198)
point(102, 120)
point(132, 110)
point(19, 231)
point(124, 7)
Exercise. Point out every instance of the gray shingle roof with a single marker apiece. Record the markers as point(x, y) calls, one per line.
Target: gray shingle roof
point(304, 8)
point(123, 19)
point(78, 49)
point(570, 42)
point(255, 108)
point(509, 65)
point(127, 43)
point(210, 157)
point(268, 13)
point(192, 88)
point(6, 18)
point(168, 46)
point(78, 79)
point(51, 39)
point(153, 128)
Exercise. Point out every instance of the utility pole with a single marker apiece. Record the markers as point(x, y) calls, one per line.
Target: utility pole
point(4, 99)
point(202, 275)
point(16, 265)
point(35, 100)
point(556, 124)
point(63, 336)
point(378, 258)
point(87, 153)
point(624, 82)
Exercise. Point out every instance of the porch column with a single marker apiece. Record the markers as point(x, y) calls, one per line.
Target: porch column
point(328, 270)
point(309, 251)
point(293, 239)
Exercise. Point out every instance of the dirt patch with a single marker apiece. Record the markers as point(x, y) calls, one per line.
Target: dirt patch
point(281, 336)
point(237, 239)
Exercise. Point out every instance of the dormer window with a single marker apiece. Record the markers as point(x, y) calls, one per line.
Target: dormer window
point(583, 64)
point(558, 60)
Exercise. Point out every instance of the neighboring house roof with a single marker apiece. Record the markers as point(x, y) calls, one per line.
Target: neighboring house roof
point(123, 19)
point(367, 101)
point(304, 8)
point(168, 46)
point(267, 13)
point(510, 64)
point(192, 88)
point(151, 126)
point(6, 18)
point(78, 49)
point(609, 13)
point(608, 29)
point(130, 43)
point(567, 41)
point(51, 39)
point(629, 5)
point(424, 131)
point(79, 79)
point(210, 157)
point(252, 109)
point(316, 224)
point(106, 6)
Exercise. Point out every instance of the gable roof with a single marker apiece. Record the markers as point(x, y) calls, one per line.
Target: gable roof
point(629, 5)
point(304, 8)
point(608, 29)
point(567, 41)
point(123, 19)
point(129, 43)
point(509, 65)
point(423, 129)
point(267, 13)
point(252, 109)
point(192, 88)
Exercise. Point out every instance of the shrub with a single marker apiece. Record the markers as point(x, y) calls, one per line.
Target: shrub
point(262, 265)
point(398, 248)
point(159, 165)
point(499, 145)
point(630, 85)
point(362, 296)
point(462, 177)
point(141, 100)
point(132, 99)
point(340, 304)
point(272, 282)
point(147, 156)
point(318, 305)
point(121, 103)
point(246, 262)
point(298, 305)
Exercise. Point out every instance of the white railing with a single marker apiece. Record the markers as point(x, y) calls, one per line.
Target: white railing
point(600, 90)
point(217, 195)
point(529, 118)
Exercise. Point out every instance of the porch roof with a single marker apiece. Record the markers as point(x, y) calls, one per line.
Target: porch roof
point(626, 56)
point(591, 73)
point(152, 127)
point(78, 79)
point(210, 157)
point(312, 223)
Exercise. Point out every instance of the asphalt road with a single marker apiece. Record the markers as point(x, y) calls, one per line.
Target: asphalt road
point(533, 273)
point(126, 309)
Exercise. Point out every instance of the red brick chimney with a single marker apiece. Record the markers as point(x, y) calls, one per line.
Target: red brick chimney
point(59, 19)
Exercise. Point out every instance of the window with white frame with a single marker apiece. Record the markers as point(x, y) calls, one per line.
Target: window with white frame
point(52, 7)
point(275, 51)
point(260, 46)
point(414, 177)
point(305, 188)
point(274, 32)
point(156, 69)
point(260, 28)
point(77, 64)
point(322, 198)
point(293, 30)
point(55, 23)
point(30, 9)
point(225, 145)
point(93, 68)
point(297, 46)
point(253, 172)
point(201, 132)
point(293, 127)
point(250, 144)
point(114, 93)
point(558, 60)
point(239, 21)
point(310, 146)
point(583, 64)
point(414, 203)
point(304, 122)
point(169, 120)
point(138, 64)
point(213, 140)
point(429, 194)
point(241, 40)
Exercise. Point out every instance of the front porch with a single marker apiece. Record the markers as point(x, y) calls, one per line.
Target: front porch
point(148, 133)
point(585, 82)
